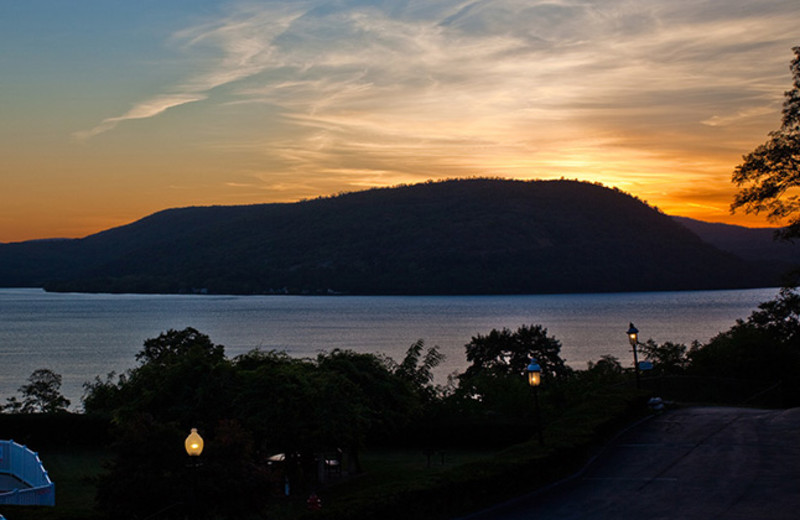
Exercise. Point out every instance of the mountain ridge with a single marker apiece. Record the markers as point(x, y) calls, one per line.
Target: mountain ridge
point(472, 236)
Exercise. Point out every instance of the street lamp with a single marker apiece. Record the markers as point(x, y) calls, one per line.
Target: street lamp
point(194, 447)
point(633, 337)
point(534, 380)
point(534, 373)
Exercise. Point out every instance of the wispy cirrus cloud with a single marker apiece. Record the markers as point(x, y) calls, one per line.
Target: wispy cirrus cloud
point(143, 110)
point(377, 91)
point(245, 48)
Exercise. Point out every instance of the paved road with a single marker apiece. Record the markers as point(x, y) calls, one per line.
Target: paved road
point(688, 464)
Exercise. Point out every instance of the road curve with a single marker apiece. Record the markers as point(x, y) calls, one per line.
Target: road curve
point(695, 463)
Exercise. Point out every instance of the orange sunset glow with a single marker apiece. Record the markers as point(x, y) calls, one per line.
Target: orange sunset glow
point(113, 112)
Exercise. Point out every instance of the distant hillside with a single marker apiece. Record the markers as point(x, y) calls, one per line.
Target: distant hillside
point(478, 236)
point(753, 244)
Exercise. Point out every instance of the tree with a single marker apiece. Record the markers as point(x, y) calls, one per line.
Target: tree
point(780, 317)
point(307, 408)
point(389, 402)
point(668, 358)
point(417, 369)
point(182, 376)
point(495, 379)
point(765, 348)
point(607, 368)
point(172, 346)
point(183, 381)
point(770, 175)
point(42, 394)
point(508, 353)
point(256, 405)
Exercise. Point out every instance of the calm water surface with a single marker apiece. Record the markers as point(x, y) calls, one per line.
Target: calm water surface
point(82, 336)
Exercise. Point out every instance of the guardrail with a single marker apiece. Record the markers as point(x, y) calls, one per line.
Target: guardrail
point(25, 466)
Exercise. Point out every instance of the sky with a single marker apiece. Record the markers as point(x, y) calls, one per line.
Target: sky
point(111, 110)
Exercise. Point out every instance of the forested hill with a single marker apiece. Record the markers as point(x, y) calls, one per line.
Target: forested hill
point(753, 244)
point(478, 236)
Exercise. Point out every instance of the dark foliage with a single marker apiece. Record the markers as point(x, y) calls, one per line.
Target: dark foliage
point(764, 350)
point(476, 236)
point(495, 381)
point(769, 176)
point(42, 394)
point(249, 408)
point(504, 353)
point(417, 369)
point(295, 406)
point(387, 401)
point(175, 346)
point(667, 358)
point(183, 381)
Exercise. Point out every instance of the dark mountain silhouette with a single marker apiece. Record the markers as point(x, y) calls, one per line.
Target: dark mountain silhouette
point(752, 244)
point(477, 236)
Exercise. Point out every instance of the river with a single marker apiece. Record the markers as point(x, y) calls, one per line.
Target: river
point(81, 336)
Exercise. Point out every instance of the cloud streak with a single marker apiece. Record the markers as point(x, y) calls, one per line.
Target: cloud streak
point(146, 109)
point(246, 52)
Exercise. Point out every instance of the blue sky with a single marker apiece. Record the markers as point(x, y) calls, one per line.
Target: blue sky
point(114, 109)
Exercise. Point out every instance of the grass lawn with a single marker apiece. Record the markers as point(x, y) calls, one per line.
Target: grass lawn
point(401, 468)
point(74, 471)
point(385, 472)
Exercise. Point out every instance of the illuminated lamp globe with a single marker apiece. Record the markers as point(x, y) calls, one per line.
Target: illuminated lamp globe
point(194, 444)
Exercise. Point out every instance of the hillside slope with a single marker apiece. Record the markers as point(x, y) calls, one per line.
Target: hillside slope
point(751, 244)
point(477, 236)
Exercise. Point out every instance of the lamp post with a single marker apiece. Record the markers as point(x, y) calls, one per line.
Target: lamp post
point(534, 372)
point(194, 447)
point(633, 337)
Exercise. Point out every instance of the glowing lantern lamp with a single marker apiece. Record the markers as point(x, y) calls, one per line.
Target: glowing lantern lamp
point(534, 373)
point(633, 335)
point(194, 444)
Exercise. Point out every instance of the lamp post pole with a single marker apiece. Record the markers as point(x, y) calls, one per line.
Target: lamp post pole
point(534, 372)
point(633, 337)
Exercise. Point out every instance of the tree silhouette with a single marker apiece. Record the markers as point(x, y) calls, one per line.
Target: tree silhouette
point(770, 175)
point(503, 352)
point(42, 394)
